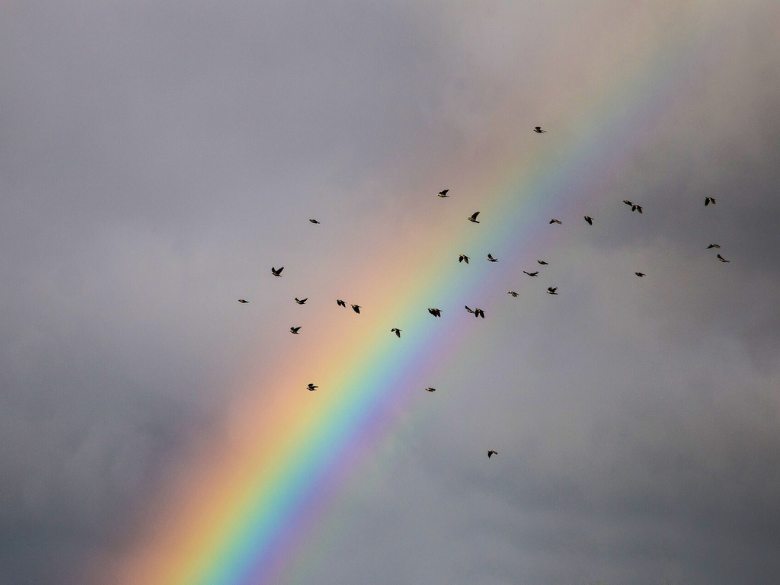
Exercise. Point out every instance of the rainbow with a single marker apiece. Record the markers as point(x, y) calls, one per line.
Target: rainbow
point(263, 481)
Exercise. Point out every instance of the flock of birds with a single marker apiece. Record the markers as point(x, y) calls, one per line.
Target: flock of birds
point(464, 258)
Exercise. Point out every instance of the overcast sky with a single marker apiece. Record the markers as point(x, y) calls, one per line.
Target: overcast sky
point(156, 158)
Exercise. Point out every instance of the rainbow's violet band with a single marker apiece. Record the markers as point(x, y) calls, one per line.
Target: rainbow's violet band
point(250, 505)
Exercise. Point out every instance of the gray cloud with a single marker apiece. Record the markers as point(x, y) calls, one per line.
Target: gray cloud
point(153, 160)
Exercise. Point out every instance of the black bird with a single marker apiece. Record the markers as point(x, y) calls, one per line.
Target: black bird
point(301, 301)
point(589, 219)
point(276, 272)
point(558, 221)
point(396, 331)
point(531, 273)
point(476, 312)
point(473, 217)
point(542, 262)
point(713, 246)
point(463, 258)
point(636, 207)
point(511, 292)
point(627, 202)
point(435, 312)
point(491, 453)
point(491, 259)
point(242, 301)
point(539, 130)
point(444, 193)
point(639, 274)
point(294, 330)
point(314, 221)
point(551, 290)
point(709, 200)
point(722, 259)
point(430, 389)
point(311, 387)
point(341, 303)
point(356, 308)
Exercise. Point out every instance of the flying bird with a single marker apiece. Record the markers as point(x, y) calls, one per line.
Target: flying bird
point(463, 258)
point(627, 202)
point(538, 130)
point(314, 221)
point(430, 389)
point(356, 308)
point(722, 259)
point(491, 453)
point(476, 312)
point(301, 301)
point(708, 200)
point(341, 303)
point(531, 273)
point(435, 312)
point(589, 219)
point(294, 330)
point(396, 331)
point(473, 217)
point(558, 221)
point(491, 259)
point(444, 193)
point(551, 290)
point(276, 272)
point(242, 301)
point(713, 246)
point(636, 207)
point(542, 262)
point(311, 387)
point(511, 292)
point(639, 274)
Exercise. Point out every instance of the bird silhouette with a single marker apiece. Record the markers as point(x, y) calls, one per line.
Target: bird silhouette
point(463, 258)
point(551, 290)
point(713, 246)
point(314, 221)
point(242, 301)
point(542, 262)
point(341, 303)
point(444, 193)
point(435, 312)
point(473, 217)
point(531, 273)
point(722, 259)
point(589, 219)
point(627, 202)
point(276, 272)
point(491, 259)
point(491, 453)
point(639, 274)
point(396, 331)
point(301, 301)
point(538, 130)
point(708, 200)
point(558, 221)
point(294, 330)
point(476, 312)
point(430, 389)
point(311, 387)
point(356, 308)
point(511, 292)
point(636, 207)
